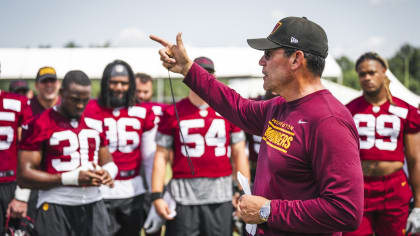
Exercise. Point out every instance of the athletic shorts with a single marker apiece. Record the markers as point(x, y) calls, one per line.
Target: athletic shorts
point(83, 220)
point(194, 220)
point(386, 206)
point(127, 215)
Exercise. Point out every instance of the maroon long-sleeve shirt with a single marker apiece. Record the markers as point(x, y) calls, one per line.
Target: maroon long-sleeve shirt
point(308, 164)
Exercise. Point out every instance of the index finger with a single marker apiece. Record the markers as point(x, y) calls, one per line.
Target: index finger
point(160, 40)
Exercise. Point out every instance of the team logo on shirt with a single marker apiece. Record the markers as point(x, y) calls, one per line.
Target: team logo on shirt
point(279, 135)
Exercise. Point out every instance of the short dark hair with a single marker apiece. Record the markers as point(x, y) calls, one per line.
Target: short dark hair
point(314, 63)
point(144, 78)
point(371, 56)
point(75, 76)
point(104, 99)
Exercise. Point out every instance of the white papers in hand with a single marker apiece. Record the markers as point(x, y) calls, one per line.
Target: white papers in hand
point(243, 181)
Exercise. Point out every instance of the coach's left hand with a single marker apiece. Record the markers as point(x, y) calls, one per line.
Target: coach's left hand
point(249, 208)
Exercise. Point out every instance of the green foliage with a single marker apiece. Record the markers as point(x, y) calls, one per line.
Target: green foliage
point(179, 88)
point(405, 65)
point(71, 44)
point(350, 77)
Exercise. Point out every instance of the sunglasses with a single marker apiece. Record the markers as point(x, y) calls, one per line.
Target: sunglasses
point(48, 80)
point(268, 54)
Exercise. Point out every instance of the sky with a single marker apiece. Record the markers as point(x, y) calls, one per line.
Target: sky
point(353, 27)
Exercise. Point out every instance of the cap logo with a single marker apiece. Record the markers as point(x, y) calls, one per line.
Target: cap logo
point(119, 68)
point(294, 40)
point(276, 27)
point(46, 70)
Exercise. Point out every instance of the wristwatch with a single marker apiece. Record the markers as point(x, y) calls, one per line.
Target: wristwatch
point(265, 211)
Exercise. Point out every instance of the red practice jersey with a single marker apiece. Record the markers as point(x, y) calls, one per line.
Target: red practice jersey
point(157, 109)
point(123, 128)
point(14, 112)
point(382, 128)
point(207, 139)
point(37, 107)
point(65, 144)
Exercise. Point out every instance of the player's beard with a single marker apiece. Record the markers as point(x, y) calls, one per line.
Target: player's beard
point(116, 101)
point(374, 93)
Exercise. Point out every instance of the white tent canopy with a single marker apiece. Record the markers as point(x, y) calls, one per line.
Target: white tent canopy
point(400, 91)
point(229, 61)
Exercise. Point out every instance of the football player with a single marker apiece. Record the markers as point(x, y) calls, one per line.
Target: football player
point(65, 156)
point(144, 87)
point(144, 93)
point(46, 86)
point(129, 130)
point(14, 112)
point(203, 198)
point(388, 128)
point(21, 87)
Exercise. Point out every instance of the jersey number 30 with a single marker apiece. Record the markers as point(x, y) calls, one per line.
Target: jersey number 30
point(76, 142)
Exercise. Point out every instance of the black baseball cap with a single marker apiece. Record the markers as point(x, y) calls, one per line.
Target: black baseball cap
point(295, 32)
point(46, 72)
point(17, 85)
point(206, 63)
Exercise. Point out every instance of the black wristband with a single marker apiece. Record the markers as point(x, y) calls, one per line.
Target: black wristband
point(155, 195)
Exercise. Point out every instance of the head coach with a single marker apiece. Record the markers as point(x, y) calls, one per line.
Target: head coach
point(309, 177)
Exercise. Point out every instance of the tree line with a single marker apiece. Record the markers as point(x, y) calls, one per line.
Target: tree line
point(405, 65)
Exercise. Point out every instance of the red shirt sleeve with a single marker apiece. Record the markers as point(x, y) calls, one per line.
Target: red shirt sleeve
point(149, 121)
point(413, 120)
point(167, 124)
point(35, 135)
